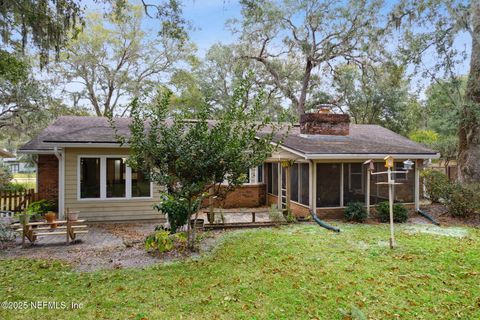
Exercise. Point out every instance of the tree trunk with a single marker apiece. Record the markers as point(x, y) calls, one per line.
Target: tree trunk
point(469, 130)
point(305, 85)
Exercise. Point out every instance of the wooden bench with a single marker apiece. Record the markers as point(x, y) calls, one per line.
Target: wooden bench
point(68, 228)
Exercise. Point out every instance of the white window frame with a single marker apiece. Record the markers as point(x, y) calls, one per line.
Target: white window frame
point(253, 176)
point(103, 180)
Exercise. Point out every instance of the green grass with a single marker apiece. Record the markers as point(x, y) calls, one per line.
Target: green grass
point(24, 175)
point(294, 272)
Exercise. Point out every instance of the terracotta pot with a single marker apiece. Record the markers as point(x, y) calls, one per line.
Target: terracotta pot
point(50, 217)
point(73, 215)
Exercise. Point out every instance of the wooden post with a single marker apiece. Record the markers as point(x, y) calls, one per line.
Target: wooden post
point(253, 216)
point(390, 201)
point(211, 213)
point(417, 185)
point(68, 225)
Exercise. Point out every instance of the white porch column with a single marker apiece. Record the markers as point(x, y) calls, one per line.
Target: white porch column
point(417, 184)
point(279, 172)
point(61, 182)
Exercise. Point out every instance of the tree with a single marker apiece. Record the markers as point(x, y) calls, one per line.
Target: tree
point(20, 94)
point(113, 59)
point(50, 24)
point(191, 158)
point(376, 94)
point(449, 18)
point(5, 176)
point(314, 34)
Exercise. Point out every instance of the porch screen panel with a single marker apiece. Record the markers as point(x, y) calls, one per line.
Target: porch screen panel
point(294, 183)
point(404, 192)
point(268, 171)
point(328, 184)
point(260, 173)
point(304, 183)
point(116, 172)
point(140, 185)
point(275, 173)
point(353, 183)
point(89, 178)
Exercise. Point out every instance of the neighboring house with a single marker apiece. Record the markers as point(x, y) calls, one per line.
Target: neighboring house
point(319, 165)
point(450, 168)
point(17, 165)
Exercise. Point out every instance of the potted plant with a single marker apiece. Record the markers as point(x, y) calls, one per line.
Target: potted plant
point(50, 217)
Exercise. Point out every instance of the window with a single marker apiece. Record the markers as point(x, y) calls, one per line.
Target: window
point(140, 185)
point(90, 178)
point(328, 184)
point(109, 177)
point(116, 185)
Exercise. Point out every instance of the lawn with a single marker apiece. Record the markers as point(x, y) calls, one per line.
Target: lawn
point(292, 272)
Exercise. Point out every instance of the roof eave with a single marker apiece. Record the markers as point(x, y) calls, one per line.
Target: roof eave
point(373, 156)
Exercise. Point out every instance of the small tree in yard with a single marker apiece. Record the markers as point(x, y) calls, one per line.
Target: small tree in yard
point(190, 158)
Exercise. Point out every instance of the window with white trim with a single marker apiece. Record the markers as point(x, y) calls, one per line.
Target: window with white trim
point(109, 177)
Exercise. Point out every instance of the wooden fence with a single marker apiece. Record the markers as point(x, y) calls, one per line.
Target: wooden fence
point(16, 201)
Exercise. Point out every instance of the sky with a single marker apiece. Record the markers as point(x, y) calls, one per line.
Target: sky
point(208, 18)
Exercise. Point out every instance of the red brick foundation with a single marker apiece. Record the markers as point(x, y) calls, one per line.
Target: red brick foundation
point(246, 196)
point(47, 177)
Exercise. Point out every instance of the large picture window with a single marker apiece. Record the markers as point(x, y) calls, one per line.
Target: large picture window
point(116, 180)
point(90, 177)
point(109, 177)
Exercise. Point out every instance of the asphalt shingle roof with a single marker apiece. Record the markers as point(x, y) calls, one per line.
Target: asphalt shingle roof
point(363, 139)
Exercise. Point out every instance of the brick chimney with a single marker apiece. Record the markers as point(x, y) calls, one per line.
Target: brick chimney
point(324, 122)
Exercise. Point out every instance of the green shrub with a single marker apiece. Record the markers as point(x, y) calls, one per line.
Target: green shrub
point(176, 210)
point(463, 201)
point(436, 184)
point(163, 241)
point(41, 207)
point(400, 212)
point(355, 211)
point(5, 176)
point(275, 215)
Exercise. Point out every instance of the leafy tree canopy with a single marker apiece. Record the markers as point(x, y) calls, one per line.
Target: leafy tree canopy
point(199, 158)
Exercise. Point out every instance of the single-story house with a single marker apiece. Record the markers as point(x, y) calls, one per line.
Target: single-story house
point(318, 166)
point(17, 165)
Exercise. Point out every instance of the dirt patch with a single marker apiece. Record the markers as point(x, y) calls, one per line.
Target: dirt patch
point(108, 246)
point(456, 232)
point(440, 213)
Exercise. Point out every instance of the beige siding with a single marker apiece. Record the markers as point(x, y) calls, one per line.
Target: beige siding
point(107, 209)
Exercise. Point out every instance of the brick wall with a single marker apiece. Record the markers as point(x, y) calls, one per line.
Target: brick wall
point(297, 210)
point(246, 196)
point(325, 123)
point(47, 177)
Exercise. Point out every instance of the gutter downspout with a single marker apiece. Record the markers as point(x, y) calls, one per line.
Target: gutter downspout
point(61, 183)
